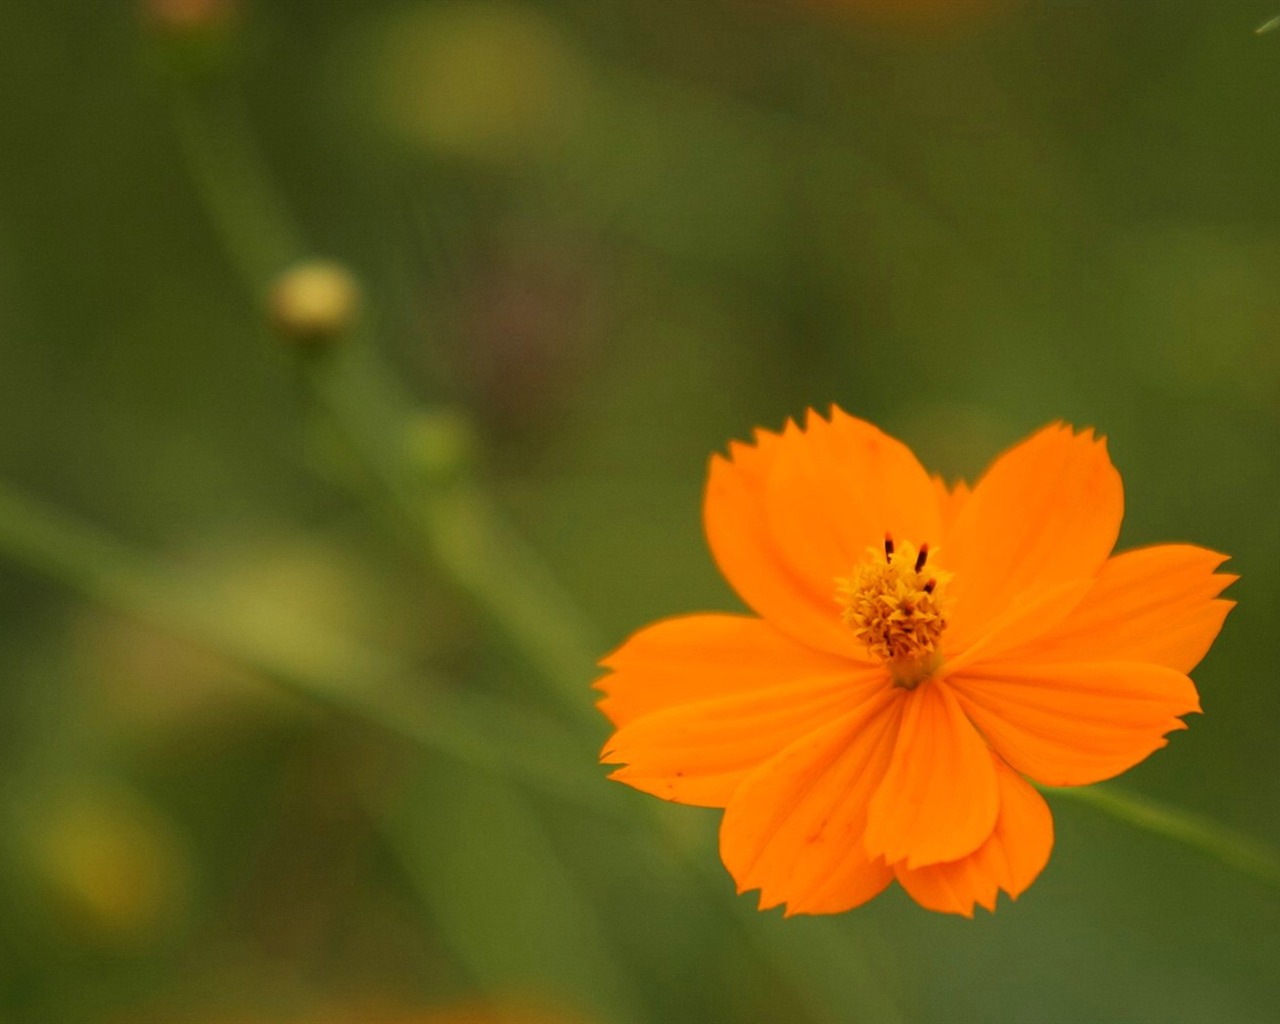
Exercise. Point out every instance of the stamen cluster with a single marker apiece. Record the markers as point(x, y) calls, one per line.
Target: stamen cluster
point(895, 605)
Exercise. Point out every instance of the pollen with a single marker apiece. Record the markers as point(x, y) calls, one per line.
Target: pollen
point(895, 603)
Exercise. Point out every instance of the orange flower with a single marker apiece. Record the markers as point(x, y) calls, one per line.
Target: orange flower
point(919, 653)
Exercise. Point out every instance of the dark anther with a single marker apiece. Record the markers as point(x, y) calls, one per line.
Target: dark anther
point(888, 547)
point(920, 558)
point(928, 587)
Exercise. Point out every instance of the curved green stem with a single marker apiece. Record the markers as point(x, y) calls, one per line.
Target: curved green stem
point(1224, 844)
point(451, 524)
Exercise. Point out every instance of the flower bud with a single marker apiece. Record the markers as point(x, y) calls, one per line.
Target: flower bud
point(439, 444)
point(314, 302)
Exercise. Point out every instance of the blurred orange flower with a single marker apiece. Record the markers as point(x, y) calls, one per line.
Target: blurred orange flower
point(920, 652)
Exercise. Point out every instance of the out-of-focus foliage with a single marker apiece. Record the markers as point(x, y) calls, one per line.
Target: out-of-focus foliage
point(616, 233)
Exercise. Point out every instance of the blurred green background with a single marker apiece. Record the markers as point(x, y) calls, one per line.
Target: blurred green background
point(608, 236)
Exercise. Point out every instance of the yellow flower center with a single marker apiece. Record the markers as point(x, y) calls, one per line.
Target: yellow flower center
point(895, 604)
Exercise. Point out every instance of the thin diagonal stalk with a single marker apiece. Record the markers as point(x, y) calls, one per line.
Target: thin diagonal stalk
point(232, 182)
point(328, 668)
point(1226, 845)
point(450, 522)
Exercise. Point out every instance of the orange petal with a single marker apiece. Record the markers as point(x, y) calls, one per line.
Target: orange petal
point(701, 657)
point(1010, 859)
point(1070, 724)
point(950, 501)
point(793, 828)
point(938, 801)
point(1154, 604)
point(1022, 622)
point(1046, 511)
point(733, 512)
point(836, 489)
point(699, 753)
point(788, 516)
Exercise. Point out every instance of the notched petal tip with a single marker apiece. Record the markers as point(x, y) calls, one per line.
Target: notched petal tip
point(737, 450)
point(764, 903)
point(1075, 723)
point(1156, 604)
point(1046, 511)
point(1009, 861)
point(835, 417)
point(792, 828)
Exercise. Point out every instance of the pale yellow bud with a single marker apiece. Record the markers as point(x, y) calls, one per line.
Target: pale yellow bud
point(314, 302)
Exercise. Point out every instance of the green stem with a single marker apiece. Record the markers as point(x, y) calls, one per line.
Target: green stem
point(454, 527)
point(230, 175)
point(1224, 844)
